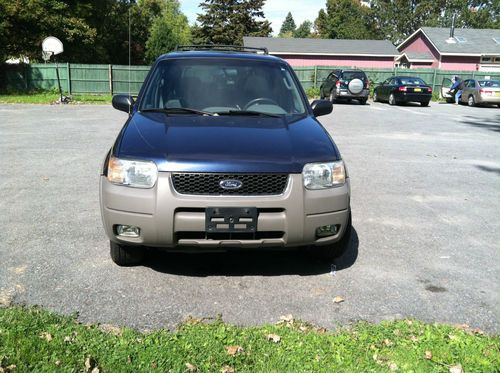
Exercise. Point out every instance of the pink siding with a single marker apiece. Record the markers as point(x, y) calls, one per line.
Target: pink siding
point(460, 63)
point(419, 43)
point(351, 61)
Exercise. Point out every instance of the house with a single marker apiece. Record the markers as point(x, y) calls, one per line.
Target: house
point(451, 49)
point(328, 52)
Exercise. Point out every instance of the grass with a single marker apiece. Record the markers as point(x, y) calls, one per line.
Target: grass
point(33, 339)
point(49, 97)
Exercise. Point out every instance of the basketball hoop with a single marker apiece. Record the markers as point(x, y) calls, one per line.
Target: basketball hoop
point(46, 56)
point(52, 46)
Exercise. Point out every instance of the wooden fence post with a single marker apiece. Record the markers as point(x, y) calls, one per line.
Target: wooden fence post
point(110, 77)
point(315, 84)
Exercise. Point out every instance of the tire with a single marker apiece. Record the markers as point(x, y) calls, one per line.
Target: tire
point(375, 96)
point(332, 98)
point(426, 103)
point(336, 249)
point(362, 101)
point(126, 255)
point(470, 101)
point(392, 99)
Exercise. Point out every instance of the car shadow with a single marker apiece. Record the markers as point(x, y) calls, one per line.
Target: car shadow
point(250, 263)
point(353, 102)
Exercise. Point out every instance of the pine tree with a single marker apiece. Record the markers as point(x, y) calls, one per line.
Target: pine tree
point(304, 30)
point(288, 26)
point(227, 21)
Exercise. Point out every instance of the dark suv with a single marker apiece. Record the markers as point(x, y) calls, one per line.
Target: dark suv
point(346, 85)
point(222, 150)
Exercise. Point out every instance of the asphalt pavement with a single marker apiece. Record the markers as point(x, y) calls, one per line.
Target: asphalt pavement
point(426, 214)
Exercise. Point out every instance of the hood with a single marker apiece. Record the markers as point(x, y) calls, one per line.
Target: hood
point(191, 143)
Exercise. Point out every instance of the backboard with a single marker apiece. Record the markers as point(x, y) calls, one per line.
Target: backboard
point(53, 45)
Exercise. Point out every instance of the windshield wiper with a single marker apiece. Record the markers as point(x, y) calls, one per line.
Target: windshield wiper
point(178, 110)
point(248, 112)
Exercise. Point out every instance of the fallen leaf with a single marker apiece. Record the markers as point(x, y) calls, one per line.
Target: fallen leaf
point(409, 322)
point(338, 299)
point(413, 338)
point(129, 359)
point(46, 336)
point(90, 365)
point(95, 370)
point(233, 350)
point(456, 368)
point(191, 367)
point(111, 329)
point(452, 337)
point(227, 369)
point(477, 331)
point(317, 358)
point(68, 339)
point(387, 342)
point(428, 355)
point(45, 178)
point(393, 367)
point(58, 362)
point(273, 337)
point(303, 328)
point(287, 320)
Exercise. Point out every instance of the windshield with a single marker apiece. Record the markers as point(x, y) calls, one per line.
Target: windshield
point(350, 75)
point(412, 81)
point(489, 83)
point(222, 86)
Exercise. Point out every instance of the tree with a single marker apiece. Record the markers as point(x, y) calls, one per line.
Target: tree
point(287, 27)
point(345, 19)
point(398, 19)
point(25, 23)
point(167, 31)
point(227, 21)
point(304, 30)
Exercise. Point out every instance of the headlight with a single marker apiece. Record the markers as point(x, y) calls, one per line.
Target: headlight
point(137, 174)
point(324, 175)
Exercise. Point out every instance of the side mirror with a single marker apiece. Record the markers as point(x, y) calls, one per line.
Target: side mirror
point(321, 107)
point(123, 103)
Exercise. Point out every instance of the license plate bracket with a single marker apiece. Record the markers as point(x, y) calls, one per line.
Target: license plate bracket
point(231, 219)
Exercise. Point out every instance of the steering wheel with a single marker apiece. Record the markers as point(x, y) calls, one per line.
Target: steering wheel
point(260, 100)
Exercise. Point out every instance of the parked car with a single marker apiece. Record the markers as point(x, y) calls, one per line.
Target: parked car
point(445, 90)
point(478, 92)
point(222, 150)
point(346, 85)
point(399, 89)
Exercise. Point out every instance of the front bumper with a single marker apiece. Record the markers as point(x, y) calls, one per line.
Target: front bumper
point(172, 220)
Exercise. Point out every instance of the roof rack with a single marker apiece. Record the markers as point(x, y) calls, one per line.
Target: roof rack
point(221, 47)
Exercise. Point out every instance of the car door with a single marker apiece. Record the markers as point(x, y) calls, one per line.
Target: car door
point(327, 85)
point(382, 90)
point(467, 91)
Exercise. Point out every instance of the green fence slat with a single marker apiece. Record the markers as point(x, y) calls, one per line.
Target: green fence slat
point(95, 78)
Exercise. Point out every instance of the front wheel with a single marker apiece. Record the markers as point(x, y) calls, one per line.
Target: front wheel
point(126, 255)
point(426, 103)
point(362, 101)
point(392, 99)
point(336, 249)
point(332, 98)
point(471, 101)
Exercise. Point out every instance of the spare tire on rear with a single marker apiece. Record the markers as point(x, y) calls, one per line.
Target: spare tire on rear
point(355, 86)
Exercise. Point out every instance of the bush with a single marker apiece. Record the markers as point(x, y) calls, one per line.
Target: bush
point(312, 92)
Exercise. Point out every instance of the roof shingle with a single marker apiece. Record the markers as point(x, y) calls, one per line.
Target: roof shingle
point(323, 46)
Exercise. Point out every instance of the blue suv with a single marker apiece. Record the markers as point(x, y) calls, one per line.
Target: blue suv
point(222, 150)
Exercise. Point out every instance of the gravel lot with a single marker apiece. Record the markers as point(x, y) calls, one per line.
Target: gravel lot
point(426, 213)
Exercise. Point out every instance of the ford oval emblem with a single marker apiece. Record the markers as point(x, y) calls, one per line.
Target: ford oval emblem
point(230, 184)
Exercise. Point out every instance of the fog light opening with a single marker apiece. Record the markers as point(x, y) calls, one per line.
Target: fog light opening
point(127, 231)
point(327, 230)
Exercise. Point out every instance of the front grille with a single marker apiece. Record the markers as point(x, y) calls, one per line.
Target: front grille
point(208, 184)
point(260, 235)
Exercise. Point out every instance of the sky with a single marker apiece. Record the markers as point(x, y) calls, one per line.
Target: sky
point(275, 11)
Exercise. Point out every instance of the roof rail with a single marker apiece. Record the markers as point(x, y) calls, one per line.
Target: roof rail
point(221, 47)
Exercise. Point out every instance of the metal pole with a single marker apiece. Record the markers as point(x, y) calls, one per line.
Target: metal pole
point(59, 82)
